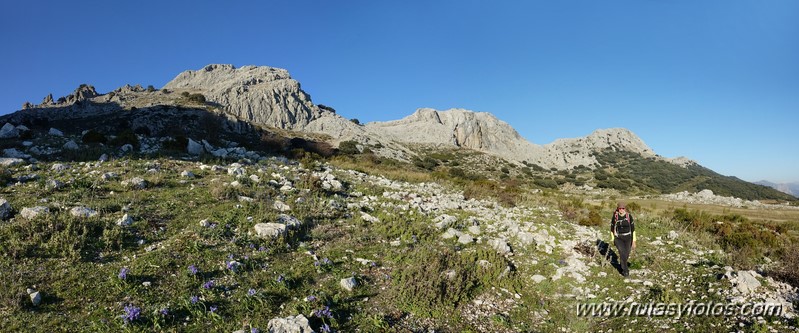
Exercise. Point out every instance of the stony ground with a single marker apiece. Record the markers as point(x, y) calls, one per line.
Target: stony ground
point(169, 244)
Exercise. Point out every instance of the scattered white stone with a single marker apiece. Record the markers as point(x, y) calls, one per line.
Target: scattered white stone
point(109, 176)
point(103, 158)
point(137, 183)
point(54, 184)
point(126, 148)
point(365, 262)
point(32, 213)
point(55, 132)
point(445, 221)
point(205, 223)
point(500, 245)
point(58, 167)
point(297, 324)
point(349, 283)
point(125, 221)
point(673, 235)
point(83, 212)
point(281, 206)
point(187, 174)
point(538, 278)
point(369, 218)
point(465, 239)
point(245, 199)
point(270, 230)
point(648, 284)
point(474, 230)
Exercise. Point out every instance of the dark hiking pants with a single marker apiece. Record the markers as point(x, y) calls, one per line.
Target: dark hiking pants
point(624, 244)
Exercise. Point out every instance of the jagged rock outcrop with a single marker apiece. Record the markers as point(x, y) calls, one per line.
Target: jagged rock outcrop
point(265, 96)
point(482, 131)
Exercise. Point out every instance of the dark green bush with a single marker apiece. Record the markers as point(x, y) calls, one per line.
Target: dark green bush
point(93, 136)
point(348, 148)
point(126, 137)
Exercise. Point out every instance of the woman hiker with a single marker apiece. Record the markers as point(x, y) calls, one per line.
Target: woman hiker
point(622, 232)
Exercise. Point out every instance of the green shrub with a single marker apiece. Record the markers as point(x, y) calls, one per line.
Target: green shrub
point(179, 143)
point(348, 148)
point(93, 136)
point(427, 163)
point(126, 137)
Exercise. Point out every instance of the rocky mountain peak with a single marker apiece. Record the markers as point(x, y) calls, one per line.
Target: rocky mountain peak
point(259, 94)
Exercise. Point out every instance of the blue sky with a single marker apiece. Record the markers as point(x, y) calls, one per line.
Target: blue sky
point(716, 81)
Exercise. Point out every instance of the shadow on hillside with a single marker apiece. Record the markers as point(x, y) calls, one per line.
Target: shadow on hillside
point(608, 254)
point(111, 120)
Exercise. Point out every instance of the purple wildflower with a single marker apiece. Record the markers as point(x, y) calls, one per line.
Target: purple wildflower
point(323, 313)
point(212, 308)
point(164, 311)
point(230, 256)
point(251, 246)
point(255, 330)
point(208, 285)
point(192, 270)
point(132, 313)
point(251, 292)
point(326, 261)
point(262, 248)
point(310, 298)
point(325, 328)
point(280, 278)
point(194, 299)
point(316, 263)
point(123, 273)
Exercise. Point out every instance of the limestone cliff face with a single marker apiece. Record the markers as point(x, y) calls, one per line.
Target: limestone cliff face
point(480, 131)
point(484, 132)
point(265, 96)
point(262, 95)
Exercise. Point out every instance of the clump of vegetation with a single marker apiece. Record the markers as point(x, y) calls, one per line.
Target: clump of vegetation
point(348, 148)
point(126, 137)
point(93, 136)
point(196, 97)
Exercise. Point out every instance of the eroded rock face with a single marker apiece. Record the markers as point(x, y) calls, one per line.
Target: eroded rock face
point(263, 95)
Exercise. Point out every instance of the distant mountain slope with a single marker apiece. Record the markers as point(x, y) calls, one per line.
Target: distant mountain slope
point(790, 188)
point(625, 170)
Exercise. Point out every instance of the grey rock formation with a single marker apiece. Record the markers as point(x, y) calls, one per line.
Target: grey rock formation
point(71, 145)
point(264, 96)
point(55, 132)
point(296, 324)
point(137, 183)
point(348, 284)
point(270, 230)
point(483, 132)
point(34, 212)
point(5, 209)
point(83, 212)
point(36, 297)
point(8, 161)
point(194, 147)
point(125, 221)
point(8, 131)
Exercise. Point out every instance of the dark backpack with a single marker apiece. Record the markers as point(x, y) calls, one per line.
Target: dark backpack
point(623, 224)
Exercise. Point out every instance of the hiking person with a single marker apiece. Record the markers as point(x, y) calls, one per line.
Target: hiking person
point(622, 233)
